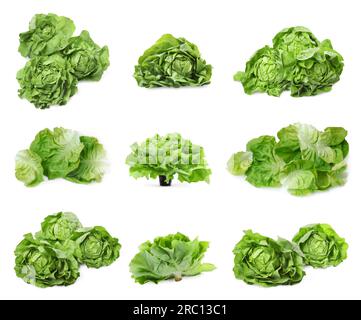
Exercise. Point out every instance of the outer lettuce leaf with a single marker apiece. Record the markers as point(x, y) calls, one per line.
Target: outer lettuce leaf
point(28, 168)
point(47, 81)
point(321, 245)
point(47, 34)
point(59, 150)
point(96, 247)
point(168, 156)
point(59, 227)
point(92, 162)
point(172, 62)
point(264, 73)
point(87, 59)
point(263, 261)
point(46, 264)
point(172, 256)
point(239, 163)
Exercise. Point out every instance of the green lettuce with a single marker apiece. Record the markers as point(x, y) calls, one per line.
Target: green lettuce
point(172, 62)
point(92, 162)
point(28, 168)
point(170, 257)
point(304, 159)
point(47, 34)
point(59, 150)
point(61, 153)
point(86, 58)
point(263, 261)
point(298, 62)
point(167, 156)
point(60, 226)
point(96, 248)
point(264, 73)
point(46, 264)
point(47, 81)
point(321, 245)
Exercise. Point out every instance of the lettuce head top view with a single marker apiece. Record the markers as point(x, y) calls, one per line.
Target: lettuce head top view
point(168, 156)
point(298, 62)
point(54, 255)
point(172, 62)
point(303, 159)
point(58, 61)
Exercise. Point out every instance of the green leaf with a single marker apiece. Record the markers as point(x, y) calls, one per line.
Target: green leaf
point(47, 34)
point(321, 245)
point(28, 168)
point(59, 227)
point(168, 156)
point(47, 81)
point(59, 150)
point(172, 62)
point(46, 264)
point(92, 162)
point(263, 261)
point(86, 58)
point(239, 163)
point(96, 248)
point(169, 257)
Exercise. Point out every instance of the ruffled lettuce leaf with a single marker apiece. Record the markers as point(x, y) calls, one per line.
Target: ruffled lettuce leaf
point(28, 168)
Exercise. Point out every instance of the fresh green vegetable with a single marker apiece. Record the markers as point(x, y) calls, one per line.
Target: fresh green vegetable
point(298, 61)
point(172, 256)
point(60, 226)
point(46, 81)
point(61, 153)
point(321, 245)
point(28, 168)
point(96, 247)
point(54, 255)
point(46, 264)
point(47, 34)
point(304, 159)
point(58, 60)
point(87, 59)
point(166, 157)
point(263, 261)
point(172, 62)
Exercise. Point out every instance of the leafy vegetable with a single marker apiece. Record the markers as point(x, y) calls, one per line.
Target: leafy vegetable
point(54, 255)
point(263, 261)
point(58, 60)
point(87, 59)
point(47, 34)
point(61, 153)
point(298, 61)
point(172, 256)
point(264, 73)
point(92, 162)
point(304, 159)
point(96, 247)
point(46, 81)
point(166, 157)
point(46, 264)
point(60, 226)
point(321, 245)
point(28, 168)
point(172, 62)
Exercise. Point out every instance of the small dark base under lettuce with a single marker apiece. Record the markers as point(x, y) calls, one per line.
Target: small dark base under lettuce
point(163, 181)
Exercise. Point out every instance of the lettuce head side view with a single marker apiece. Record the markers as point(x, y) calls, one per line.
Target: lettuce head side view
point(166, 157)
point(171, 257)
point(172, 62)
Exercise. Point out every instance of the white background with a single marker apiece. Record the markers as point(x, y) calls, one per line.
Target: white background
point(219, 116)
